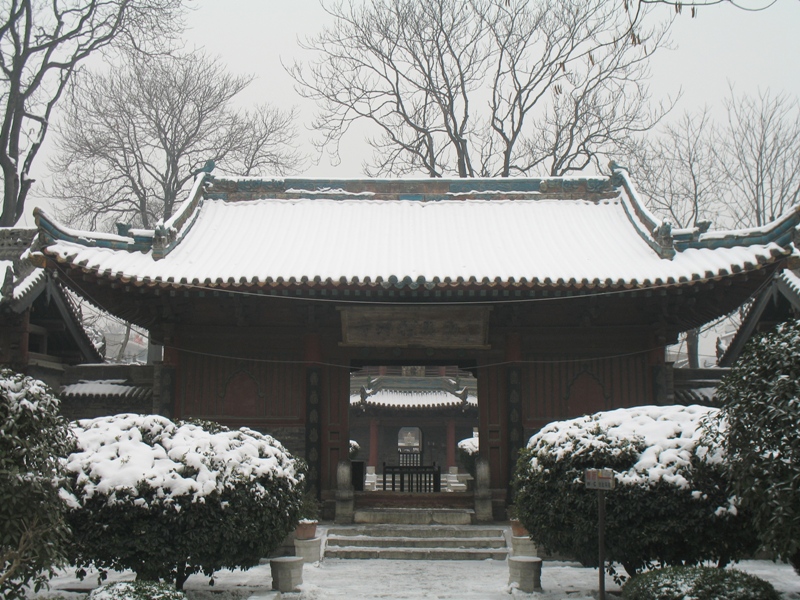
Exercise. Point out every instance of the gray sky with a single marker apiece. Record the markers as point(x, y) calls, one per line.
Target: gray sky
point(722, 45)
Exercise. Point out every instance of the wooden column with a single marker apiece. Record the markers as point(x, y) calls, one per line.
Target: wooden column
point(312, 355)
point(516, 430)
point(451, 443)
point(373, 443)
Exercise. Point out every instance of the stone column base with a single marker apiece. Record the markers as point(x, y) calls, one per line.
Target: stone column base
point(287, 573)
point(523, 546)
point(526, 572)
point(309, 550)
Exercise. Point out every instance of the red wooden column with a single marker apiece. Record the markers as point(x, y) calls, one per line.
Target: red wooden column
point(312, 355)
point(451, 443)
point(515, 429)
point(373, 443)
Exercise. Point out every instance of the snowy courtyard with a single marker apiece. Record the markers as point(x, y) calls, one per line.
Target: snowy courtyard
point(335, 579)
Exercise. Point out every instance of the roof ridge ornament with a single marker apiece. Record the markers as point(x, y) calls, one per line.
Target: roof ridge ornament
point(662, 234)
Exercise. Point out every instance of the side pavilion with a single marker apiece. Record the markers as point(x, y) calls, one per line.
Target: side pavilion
point(559, 295)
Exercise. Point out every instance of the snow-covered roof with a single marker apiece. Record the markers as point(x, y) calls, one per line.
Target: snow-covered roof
point(413, 399)
point(105, 388)
point(20, 280)
point(560, 233)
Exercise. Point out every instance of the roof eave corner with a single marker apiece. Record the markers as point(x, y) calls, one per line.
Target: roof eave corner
point(657, 233)
point(169, 233)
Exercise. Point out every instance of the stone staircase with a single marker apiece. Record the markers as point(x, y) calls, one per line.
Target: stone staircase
point(417, 542)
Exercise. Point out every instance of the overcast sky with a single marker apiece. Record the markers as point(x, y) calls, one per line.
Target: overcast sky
point(751, 50)
point(721, 46)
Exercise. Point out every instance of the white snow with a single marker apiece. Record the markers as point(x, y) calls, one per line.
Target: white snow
point(469, 445)
point(341, 579)
point(670, 436)
point(412, 399)
point(116, 454)
point(575, 242)
point(99, 387)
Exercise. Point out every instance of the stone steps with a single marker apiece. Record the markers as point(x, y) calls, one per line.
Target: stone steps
point(410, 542)
point(415, 516)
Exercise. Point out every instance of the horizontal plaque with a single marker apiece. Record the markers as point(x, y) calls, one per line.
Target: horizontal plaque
point(416, 326)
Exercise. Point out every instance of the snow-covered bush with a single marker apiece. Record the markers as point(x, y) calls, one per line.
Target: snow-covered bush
point(698, 583)
point(136, 590)
point(167, 500)
point(468, 453)
point(672, 503)
point(33, 436)
point(761, 404)
point(355, 448)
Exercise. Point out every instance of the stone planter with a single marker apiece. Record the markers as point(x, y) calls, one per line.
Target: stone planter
point(306, 530)
point(518, 529)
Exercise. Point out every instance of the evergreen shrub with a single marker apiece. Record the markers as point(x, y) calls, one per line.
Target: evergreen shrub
point(167, 500)
point(34, 439)
point(672, 503)
point(698, 583)
point(761, 415)
point(136, 590)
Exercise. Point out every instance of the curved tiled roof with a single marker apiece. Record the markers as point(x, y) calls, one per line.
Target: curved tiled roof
point(402, 399)
point(580, 239)
point(107, 389)
point(21, 280)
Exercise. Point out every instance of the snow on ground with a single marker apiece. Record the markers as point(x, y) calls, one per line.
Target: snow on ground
point(340, 579)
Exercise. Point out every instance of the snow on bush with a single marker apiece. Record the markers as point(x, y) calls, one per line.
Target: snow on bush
point(355, 448)
point(672, 503)
point(167, 500)
point(135, 590)
point(761, 403)
point(469, 446)
point(698, 583)
point(33, 439)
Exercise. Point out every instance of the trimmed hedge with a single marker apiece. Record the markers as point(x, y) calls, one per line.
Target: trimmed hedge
point(698, 583)
point(34, 439)
point(167, 500)
point(672, 503)
point(760, 406)
point(136, 590)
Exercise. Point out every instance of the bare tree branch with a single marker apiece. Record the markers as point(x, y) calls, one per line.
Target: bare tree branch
point(132, 138)
point(759, 150)
point(481, 88)
point(41, 46)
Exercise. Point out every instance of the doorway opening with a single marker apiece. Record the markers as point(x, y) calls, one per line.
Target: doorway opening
point(413, 428)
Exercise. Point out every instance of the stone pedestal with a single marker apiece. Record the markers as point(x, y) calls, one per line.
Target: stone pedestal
point(523, 546)
point(287, 573)
point(309, 550)
point(526, 572)
point(483, 493)
point(345, 506)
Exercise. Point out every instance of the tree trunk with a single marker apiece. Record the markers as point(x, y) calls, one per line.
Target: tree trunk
point(693, 348)
point(125, 340)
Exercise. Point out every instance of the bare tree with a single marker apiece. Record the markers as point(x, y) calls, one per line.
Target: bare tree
point(481, 87)
point(678, 171)
point(41, 46)
point(746, 5)
point(681, 180)
point(741, 173)
point(132, 138)
point(759, 150)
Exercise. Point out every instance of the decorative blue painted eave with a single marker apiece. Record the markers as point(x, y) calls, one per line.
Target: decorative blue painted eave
point(52, 231)
point(783, 231)
point(657, 234)
point(169, 234)
point(160, 241)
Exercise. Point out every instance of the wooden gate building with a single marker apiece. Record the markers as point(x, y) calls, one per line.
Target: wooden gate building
point(559, 294)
